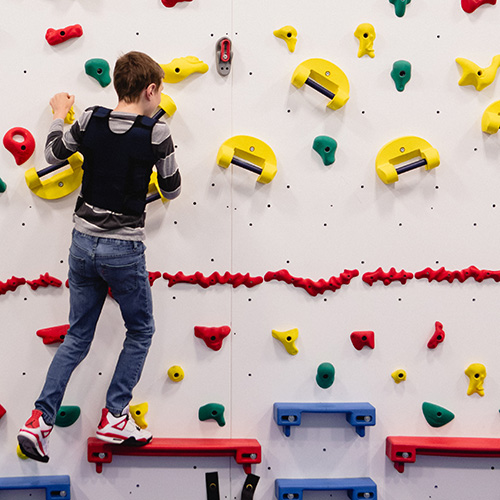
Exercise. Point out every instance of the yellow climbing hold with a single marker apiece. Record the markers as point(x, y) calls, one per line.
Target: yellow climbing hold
point(289, 34)
point(175, 373)
point(476, 373)
point(182, 67)
point(399, 376)
point(70, 117)
point(472, 74)
point(138, 413)
point(288, 339)
point(20, 454)
point(490, 122)
point(365, 33)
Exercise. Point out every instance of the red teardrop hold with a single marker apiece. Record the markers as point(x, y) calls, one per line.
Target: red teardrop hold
point(23, 150)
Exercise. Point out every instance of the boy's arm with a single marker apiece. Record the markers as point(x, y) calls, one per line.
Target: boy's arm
point(169, 177)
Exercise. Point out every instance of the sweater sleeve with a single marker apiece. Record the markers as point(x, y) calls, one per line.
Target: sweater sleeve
point(169, 177)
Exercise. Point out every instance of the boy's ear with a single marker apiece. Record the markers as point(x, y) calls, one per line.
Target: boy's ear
point(150, 90)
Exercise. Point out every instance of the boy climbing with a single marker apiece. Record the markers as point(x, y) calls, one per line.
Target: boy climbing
point(120, 148)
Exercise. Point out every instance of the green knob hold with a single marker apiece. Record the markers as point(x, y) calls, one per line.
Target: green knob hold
point(325, 375)
point(213, 411)
point(401, 74)
point(400, 6)
point(67, 415)
point(325, 146)
point(436, 416)
point(3, 186)
point(99, 69)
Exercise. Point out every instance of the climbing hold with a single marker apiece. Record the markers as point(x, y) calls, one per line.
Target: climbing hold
point(53, 334)
point(3, 411)
point(175, 373)
point(223, 56)
point(399, 376)
point(55, 37)
point(172, 3)
point(324, 77)
point(250, 154)
point(212, 336)
point(438, 336)
point(11, 285)
point(70, 117)
point(325, 146)
point(490, 122)
point(138, 413)
point(365, 33)
point(213, 411)
point(67, 415)
point(289, 34)
point(401, 74)
point(20, 454)
point(400, 6)
point(436, 416)
point(198, 278)
point(99, 69)
point(478, 77)
point(476, 373)
point(21, 150)
point(288, 339)
point(362, 339)
point(44, 281)
point(182, 67)
point(325, 375)
point(470, 6)
point(400, 152)
point(3, 186)
point(387, 277)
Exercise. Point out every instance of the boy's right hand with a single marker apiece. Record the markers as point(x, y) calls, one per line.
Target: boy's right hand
point(61, 104)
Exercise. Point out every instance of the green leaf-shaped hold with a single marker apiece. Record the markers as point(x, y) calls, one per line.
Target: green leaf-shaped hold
point(436, 416)
point(401, 74)
point(67, 415)
point(325, 375)
point(325, 146)
point(99, 69)
point(400, 6)
point(214, 411)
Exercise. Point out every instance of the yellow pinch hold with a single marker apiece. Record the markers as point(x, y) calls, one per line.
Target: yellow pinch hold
point(490, 122)
point(20, 454)
point(168, 105)
point(365, 33)
point(398, 376)
point(289, 34)
point(70, 117)
point(478, 77)
point(175, 373)
point(182, 67)
point(288, 339)
point(138, 413)
point(476, 373)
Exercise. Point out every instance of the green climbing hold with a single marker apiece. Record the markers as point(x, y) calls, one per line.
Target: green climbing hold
point(213, 411)
point(99, 69)
point(325, 375)
point(3, 186)
point(436, 416)
point(325, 146)
point(400, 6)
point(67, 415)
point(401, 74)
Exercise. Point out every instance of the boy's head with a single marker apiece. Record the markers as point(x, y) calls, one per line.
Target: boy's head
point(133, 73)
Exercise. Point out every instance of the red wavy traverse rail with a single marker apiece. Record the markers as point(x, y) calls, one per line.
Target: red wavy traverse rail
point(206, 281)
point(44, 281)
point(443, 274)
point(379, 275)
point(11, 284)
point(313, 287)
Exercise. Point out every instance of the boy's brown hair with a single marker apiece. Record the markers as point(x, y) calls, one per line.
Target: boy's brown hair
point(134, 72)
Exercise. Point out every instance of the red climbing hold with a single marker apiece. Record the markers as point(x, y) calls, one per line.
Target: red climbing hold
point(44, 280)
point(53, 334)
point(172, 3)
point(21, 150)
point(471, 5)
point(438, 336)
point(153, 276)
point(206, 281)
point(212, 336)
point(55, 37)
point(362, 339)
point(11, 284)
point(443, 274)
point(3, 411)
point(379, 275)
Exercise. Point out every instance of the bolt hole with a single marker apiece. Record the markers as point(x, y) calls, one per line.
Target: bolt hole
point(402, 74)
point(365, 35)
point(99, 71)
point(177, 70)
point(62, 33)
point(327, 149)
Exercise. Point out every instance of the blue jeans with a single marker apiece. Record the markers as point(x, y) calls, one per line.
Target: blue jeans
point(94, 264)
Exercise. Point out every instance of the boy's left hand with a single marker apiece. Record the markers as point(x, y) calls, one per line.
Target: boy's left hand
point(61, 104)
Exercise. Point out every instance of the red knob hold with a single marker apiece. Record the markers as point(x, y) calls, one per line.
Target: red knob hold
point(54, 37)
point(471, 5)
point(362, 339)
point(212, 336)
point(53, 334)
point(438, 336)
point(21, 150)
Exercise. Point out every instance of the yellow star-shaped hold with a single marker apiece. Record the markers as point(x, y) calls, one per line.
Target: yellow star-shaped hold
point(288, 339)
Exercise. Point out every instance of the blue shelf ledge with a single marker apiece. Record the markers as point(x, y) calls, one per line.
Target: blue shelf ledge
point(56, 487)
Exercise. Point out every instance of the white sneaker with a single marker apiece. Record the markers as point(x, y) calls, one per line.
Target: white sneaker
point(33, 437)
point(121, 430)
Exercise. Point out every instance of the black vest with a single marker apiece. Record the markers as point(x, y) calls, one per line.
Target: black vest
point(117, 167)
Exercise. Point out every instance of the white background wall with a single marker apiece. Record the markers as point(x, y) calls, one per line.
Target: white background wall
point(313, 220)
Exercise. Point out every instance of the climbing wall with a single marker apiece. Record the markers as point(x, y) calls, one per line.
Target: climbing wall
point(313, 220)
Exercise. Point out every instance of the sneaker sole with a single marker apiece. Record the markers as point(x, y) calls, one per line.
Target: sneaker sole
point(131, 441)
point(29, 449)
